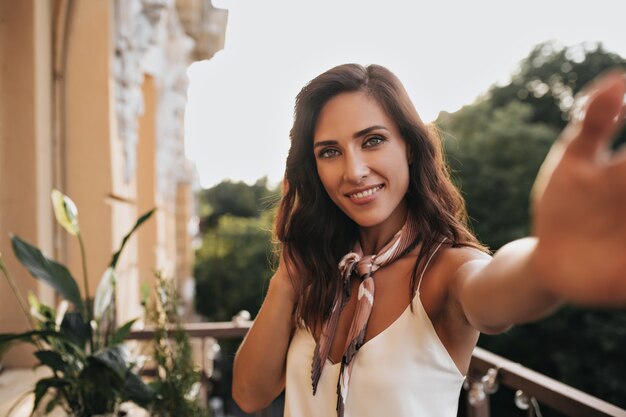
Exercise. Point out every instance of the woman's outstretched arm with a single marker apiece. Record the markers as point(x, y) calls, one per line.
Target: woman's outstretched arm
point(259, 369)
point(578, 252)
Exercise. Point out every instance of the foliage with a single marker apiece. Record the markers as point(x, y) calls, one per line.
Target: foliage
point(496, 145)
point(235, 198)
point(91, 371)
point(177, 385)
point(550, 78)
point(495, 155)
point(232, 266)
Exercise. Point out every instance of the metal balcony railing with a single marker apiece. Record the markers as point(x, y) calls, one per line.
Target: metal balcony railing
point(487, 372)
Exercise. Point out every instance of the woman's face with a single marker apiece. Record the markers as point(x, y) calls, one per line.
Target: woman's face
point(362, 160)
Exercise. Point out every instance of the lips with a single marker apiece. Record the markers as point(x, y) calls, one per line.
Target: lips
point(365, 192)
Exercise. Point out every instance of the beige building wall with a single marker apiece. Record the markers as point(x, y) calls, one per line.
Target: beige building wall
point(89, 168)
point(184, 252)
point(146, 183)
point(65, 130)
point(25, 163)
point(184, 249)
point(95, 157)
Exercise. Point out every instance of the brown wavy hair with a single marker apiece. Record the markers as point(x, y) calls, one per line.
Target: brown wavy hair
point(314, 233)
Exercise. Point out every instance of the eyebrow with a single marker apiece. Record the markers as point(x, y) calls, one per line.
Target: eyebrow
point(355, 136)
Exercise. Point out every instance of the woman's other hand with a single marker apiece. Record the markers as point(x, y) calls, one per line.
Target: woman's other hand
point(579, 203)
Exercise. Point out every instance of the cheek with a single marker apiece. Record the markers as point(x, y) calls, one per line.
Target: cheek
point(332, 187)
point(402, 170)
point(401, 179)
point(327, 176)
point(407, 177)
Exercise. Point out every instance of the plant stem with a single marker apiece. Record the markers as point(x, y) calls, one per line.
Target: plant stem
point(83, 258)
point(112, 315)
point(17, 294)
point(84, 261)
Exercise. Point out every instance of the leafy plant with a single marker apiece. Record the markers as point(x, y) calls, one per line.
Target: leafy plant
point(91, 371)
point(177, 384)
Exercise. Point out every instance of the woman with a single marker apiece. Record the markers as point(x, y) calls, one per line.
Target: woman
point(382, 291)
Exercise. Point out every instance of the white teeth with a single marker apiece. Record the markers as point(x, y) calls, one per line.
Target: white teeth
point(366, 193)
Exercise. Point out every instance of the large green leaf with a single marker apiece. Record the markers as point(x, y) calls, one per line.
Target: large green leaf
point(54, 402)
point(137, 391)
point(37, 336)
point(74, 327)
point(48, 270)
point(52, 359)
point(114, 359)
point(43, 385)
point(8, 339)
point(138, 223)
point(122, 332)
point(99, 387)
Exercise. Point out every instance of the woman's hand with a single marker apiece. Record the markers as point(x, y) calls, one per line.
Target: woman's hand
point(579, 203)
point(259, 367)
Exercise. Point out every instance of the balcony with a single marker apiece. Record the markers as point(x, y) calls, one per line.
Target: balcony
point(487, 372)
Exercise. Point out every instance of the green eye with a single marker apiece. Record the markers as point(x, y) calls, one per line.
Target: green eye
point(373, 141)
point(328, 153)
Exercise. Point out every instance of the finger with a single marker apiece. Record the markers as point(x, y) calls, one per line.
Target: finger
point(547, 168)
point(601, 117)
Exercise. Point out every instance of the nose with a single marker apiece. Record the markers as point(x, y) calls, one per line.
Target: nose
point(356, 168)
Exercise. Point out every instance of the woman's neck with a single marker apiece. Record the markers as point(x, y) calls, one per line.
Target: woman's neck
point(373, 238)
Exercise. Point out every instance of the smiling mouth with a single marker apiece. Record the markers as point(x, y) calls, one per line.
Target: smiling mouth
point(366, 193)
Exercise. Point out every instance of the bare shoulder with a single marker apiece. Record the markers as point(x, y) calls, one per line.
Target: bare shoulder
point(455, 264)
point(455, 261)
point(442, 276)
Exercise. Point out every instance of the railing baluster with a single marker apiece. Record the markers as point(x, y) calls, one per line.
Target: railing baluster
point(479, 410)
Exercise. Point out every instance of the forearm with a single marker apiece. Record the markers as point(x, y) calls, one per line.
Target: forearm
point(259, 367)
point(506, 290)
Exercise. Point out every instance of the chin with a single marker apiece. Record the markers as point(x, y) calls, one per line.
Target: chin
point(367, 220)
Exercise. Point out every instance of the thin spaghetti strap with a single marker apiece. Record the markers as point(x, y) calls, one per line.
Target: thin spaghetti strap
point(419, 282)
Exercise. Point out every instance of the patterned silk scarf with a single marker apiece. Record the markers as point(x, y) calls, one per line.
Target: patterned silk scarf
point(364, 266)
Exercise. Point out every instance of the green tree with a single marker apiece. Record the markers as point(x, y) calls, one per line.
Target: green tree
point(236, 198)
point(550, 77)
point(233, 266)
point(497, 144)
point(495, 155)
point(234, 261)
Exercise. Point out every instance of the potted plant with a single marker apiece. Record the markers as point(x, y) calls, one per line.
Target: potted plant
point(79, 341)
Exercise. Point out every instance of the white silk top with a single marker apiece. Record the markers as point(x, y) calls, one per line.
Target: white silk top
point(403, 371)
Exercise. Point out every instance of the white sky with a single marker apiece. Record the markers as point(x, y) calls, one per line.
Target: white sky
point(446, 53)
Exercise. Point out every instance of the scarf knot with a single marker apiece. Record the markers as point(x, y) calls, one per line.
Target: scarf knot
point(348, 264)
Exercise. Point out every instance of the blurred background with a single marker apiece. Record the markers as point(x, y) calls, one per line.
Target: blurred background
point(186, 105)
